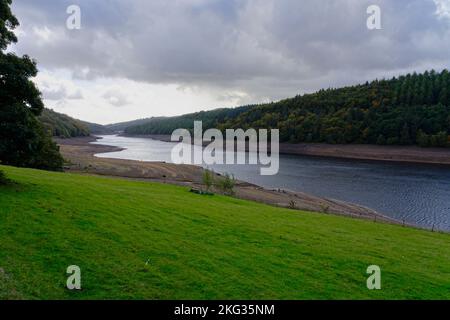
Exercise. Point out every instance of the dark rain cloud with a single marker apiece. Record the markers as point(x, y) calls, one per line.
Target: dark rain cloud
point(266, 48)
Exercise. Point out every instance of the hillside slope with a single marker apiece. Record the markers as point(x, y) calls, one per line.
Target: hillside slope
point(121, 126)
point(63, 126)
point(411, 109)
point(95, 128)
point(140, 240)
point(166, 125)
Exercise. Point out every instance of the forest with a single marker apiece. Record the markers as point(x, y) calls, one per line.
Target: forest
point(412, 109)
point(166, 125)
point(61, 125)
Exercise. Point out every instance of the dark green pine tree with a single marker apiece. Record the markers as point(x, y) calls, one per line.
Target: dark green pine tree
point(418, 93)
point(405, 138)
point(427, 89)
point(23, 141)
point(444, 96)
point(436, 88)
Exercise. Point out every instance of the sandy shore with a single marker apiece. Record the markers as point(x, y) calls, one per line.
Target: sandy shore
point(79, 152)
point(407, 154)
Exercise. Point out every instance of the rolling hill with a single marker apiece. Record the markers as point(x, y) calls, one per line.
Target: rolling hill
point(95, 128)
point(63, 126)
point(121, 126)
point(113, 128)
point(166, 125)
point(142, 240)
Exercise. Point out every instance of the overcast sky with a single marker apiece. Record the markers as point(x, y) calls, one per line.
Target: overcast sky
point(140, 58)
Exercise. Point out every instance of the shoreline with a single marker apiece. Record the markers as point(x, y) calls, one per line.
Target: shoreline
point(80, 152)
point(393, 154)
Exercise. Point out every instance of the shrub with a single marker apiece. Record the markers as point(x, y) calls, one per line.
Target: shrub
point(292, 205)
point(227, 183)
point(208, 179)
point(423, 140)
point(381, 140)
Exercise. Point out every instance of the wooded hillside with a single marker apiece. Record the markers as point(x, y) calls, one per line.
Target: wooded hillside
point(411, 109)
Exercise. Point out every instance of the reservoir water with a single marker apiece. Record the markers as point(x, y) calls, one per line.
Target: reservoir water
point(417, 194)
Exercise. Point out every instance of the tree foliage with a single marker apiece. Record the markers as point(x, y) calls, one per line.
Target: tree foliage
point(227, 183)
point(8, 23)
point(399, 111)
point(166, 125)
point(23, 141)
point(63, 126)
point(208, 179)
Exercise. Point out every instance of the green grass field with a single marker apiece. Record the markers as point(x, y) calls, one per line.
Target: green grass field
point(198, 247)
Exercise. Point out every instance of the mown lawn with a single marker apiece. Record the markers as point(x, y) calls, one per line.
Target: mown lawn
point(139, 240)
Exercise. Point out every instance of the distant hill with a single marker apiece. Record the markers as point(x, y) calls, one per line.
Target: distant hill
point(166, 125)
point(64, 126)
point(411, 109)
point(121, 126)
point(61, 125)
point(95, 128)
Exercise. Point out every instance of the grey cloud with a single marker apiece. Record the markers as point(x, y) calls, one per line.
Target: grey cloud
point(268, 48)
point(116, 98)
point(60, 93)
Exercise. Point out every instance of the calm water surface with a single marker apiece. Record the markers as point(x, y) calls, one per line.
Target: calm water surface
point(418, 194)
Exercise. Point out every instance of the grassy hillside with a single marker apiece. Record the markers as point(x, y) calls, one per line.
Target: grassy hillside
point(198, 247)
point(411, 109)
point(61, 125)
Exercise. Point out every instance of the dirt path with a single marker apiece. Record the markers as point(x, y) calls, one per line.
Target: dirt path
point(79, 152)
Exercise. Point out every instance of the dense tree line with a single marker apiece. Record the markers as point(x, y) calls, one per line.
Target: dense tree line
point(23, 140)
point(121, 126)
point(63, 126)
point(166, 125)
point(95, 128)
point(411, 109)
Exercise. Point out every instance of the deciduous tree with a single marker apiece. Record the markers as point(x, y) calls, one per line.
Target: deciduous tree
point(23, 141)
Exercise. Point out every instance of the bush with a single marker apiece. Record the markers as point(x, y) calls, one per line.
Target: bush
point(227, 183)
point(392, 141)
point(381, 140)
point(3, 179)
point(440, 139)
point(423, 140)
point(437, 140)
point(208, 179)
